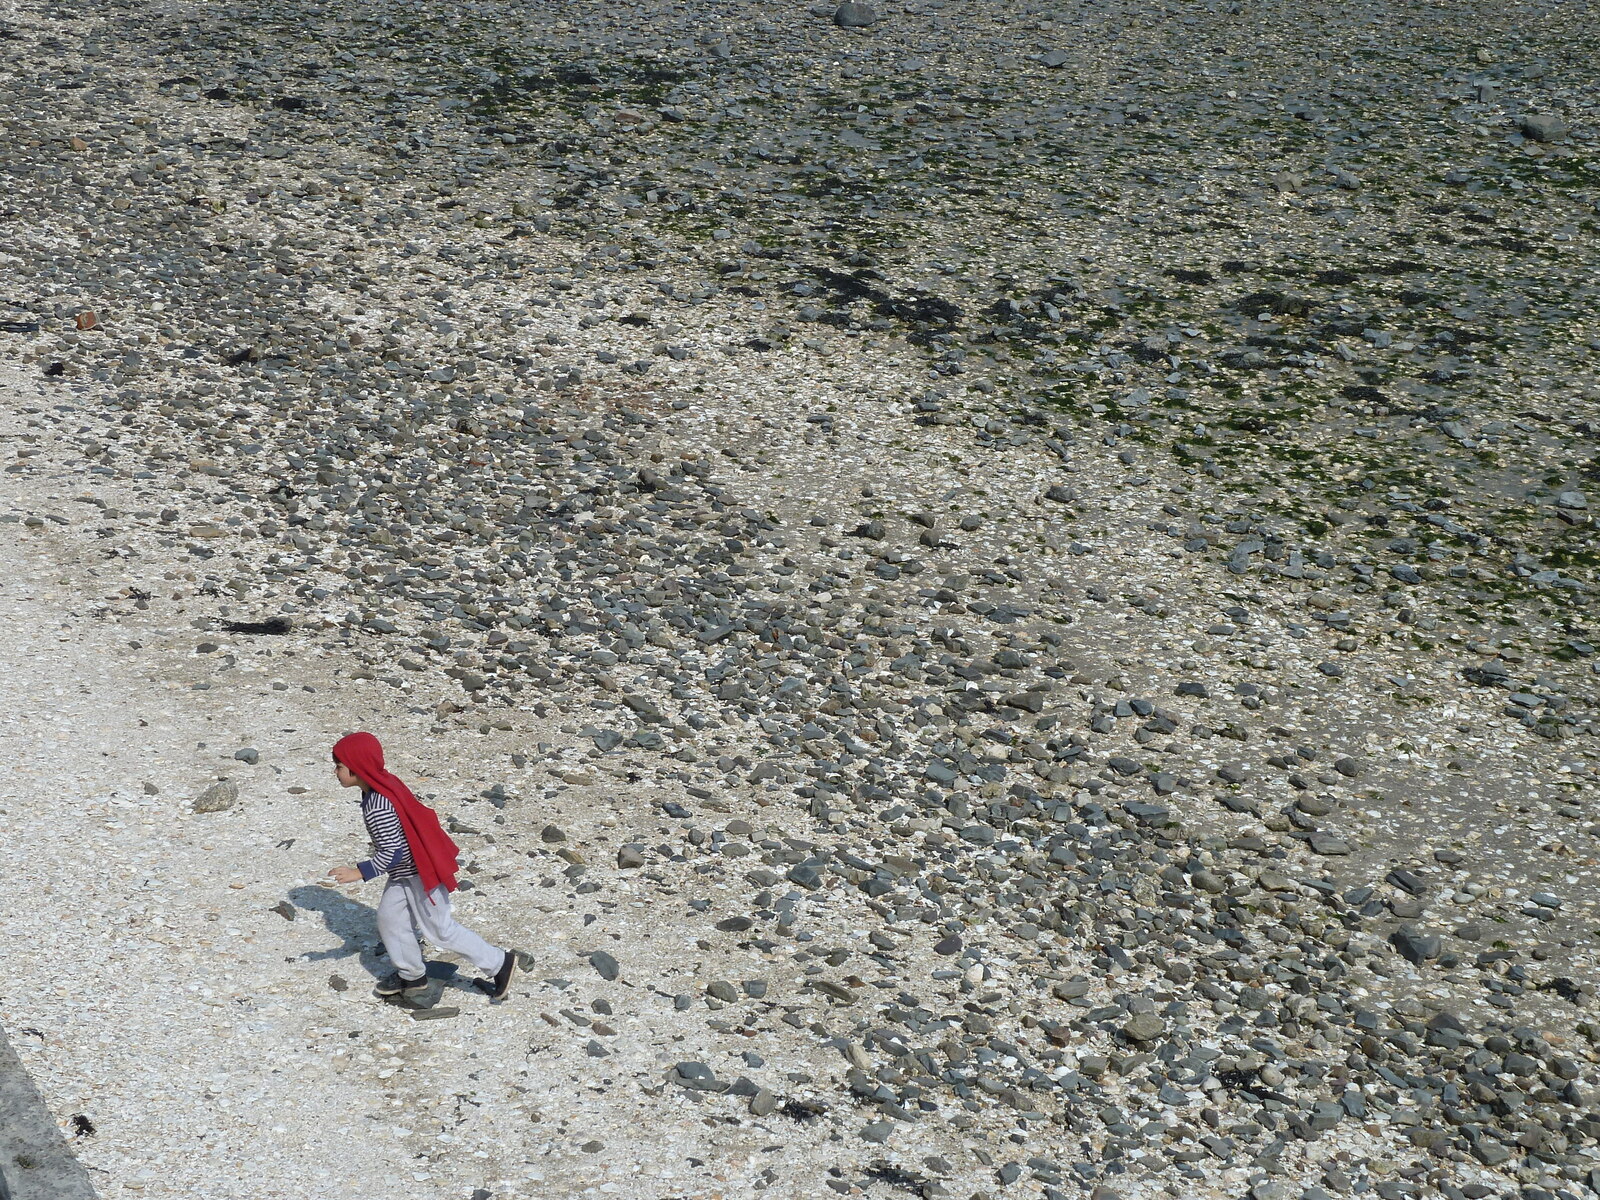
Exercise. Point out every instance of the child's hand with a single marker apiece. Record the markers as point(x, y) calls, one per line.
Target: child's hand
point(344, 875)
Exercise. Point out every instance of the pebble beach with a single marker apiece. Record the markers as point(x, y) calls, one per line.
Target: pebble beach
point(999, 599)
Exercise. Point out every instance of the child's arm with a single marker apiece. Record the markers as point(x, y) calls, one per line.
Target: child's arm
point(390, 848)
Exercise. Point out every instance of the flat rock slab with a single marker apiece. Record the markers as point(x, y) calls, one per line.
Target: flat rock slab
point(35, 1163)
point(442, 1013)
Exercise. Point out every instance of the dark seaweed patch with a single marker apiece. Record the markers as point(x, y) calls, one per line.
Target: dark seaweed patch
point(803, 1110)
point(895, 1177)
point(1564, 988)
point(1280, 304)
point(1400, 267)
point(929, 313)
point(1363, 394)
point(272, 625)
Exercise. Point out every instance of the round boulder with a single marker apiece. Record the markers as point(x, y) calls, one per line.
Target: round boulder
point(852, 14)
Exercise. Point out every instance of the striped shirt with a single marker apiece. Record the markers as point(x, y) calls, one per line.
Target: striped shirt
point(391, 853)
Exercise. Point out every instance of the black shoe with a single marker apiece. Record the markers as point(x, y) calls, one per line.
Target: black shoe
point(501, 983)
point(395, 985)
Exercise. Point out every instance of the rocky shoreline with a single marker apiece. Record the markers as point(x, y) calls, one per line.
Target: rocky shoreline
point(1049, 549)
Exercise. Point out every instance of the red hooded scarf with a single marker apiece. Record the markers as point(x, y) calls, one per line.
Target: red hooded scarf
point(431, 848)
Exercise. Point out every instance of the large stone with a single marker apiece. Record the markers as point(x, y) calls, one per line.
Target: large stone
point(763, 1103)
point(1146, 812)
point(1417, 945)
point(1407, 881)
point(1490, 1152)
point(1071, 989)
point(1144, 1027)
point(647, 709)
point(630, 857)
point(219, 797)
point(877, 1132)
point(435, 1013)
point(806, 876)
point(696, 1076)
point(1542, 127)
point(852, 14)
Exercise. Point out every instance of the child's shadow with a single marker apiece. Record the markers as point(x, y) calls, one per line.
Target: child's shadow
point(352, 922)
point(356, 926)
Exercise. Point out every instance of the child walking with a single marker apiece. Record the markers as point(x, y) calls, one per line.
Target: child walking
point(411, 848)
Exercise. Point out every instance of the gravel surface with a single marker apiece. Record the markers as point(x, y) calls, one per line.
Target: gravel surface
point(1000, 600)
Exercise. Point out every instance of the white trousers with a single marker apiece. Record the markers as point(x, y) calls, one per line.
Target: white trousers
point(405, 914)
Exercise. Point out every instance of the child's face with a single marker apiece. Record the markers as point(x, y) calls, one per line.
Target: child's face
point(345, 776)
